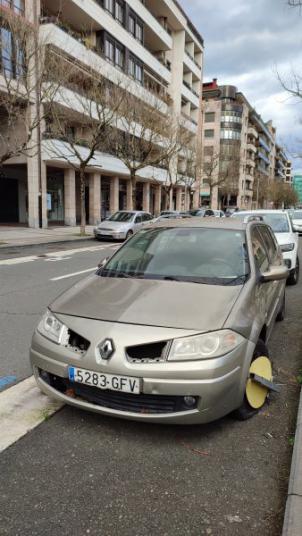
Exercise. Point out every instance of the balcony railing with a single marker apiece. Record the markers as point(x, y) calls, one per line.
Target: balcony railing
point(190, 88)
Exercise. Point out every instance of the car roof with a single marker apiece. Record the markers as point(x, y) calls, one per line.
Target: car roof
point(207, 223)
point(262, 211)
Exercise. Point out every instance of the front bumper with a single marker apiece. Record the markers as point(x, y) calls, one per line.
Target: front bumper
point(218, 384)
point(112, 235)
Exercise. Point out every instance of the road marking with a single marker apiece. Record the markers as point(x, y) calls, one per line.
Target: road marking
point(61, 254)
point(6, 380)
point(74, 273)
point(57, 259)
point(22, 408)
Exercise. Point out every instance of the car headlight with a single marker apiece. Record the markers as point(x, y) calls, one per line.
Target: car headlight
point(54, 330)
point(287, 247)
point(207, 345)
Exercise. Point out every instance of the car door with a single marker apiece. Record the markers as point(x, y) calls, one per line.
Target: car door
point(277, 287)
point(138, 221)
point(263, 291)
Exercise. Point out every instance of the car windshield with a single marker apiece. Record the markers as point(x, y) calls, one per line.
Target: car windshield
point(198, 255)
point(297, 215)
point(122, 216)
point(197, 212)
point(277, 221)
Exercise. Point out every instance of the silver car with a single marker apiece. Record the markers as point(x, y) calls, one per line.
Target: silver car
point(173, 328)
point(122, 224)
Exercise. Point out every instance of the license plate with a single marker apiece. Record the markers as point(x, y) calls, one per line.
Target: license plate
point(125, 384)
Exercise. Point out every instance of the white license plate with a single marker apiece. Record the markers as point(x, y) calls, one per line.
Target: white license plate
point(126, 384)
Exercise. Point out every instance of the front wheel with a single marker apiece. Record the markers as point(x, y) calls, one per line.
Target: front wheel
point(129, 234)
point(294, 274)
point(255, 396)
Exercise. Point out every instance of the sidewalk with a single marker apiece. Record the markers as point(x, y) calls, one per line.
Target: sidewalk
point(24, 236)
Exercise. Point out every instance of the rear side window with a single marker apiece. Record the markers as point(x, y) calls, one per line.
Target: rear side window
point(259, 251)
point(146, 217)
point(138, 219)
point(269, 243)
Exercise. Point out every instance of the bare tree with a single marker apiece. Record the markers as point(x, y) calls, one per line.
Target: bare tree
point(282, 195)
point(82, 119)
point(221, 171)
point(147, 136)
point(261, 188)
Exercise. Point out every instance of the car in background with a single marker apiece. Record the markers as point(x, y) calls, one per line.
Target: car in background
point(202, 212)
point(229, 211)
point(173, 328)
point(219, 214)
point(296, 217)
point(281, 224)
point(122, 224)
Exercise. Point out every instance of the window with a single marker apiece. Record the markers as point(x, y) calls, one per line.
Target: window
point(138, 219)
point(109, 6)
point(109, 50)
point(259, 251)
point(136, 26)
point(114, 52)
point(208, 150)
point(209, 117)
point(229, 134)
point(7, 57)
point(209, 133)
point(119, 11)
point(119, 57)
point(135, 69)
point(146, 217)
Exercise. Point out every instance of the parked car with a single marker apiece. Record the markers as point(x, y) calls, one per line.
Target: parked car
point(171, 328)
point(202, 212)
point(281, 224)
point(296, 217)
point(219, 214)
point(122, 224)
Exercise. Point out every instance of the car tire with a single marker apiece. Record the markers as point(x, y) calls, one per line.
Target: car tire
point(281, 315)
point(294, 274)
point(129, 234)
point(245, 411)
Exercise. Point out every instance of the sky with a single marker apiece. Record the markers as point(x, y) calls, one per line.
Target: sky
point(251, 44)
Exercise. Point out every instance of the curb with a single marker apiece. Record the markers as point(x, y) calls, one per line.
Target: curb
point(56, 241)
point(292, 525)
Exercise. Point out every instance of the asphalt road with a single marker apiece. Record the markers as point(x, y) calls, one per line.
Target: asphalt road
point(80, 473)
point(28, 287)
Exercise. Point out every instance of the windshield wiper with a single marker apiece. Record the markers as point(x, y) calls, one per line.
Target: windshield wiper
point(238, 279)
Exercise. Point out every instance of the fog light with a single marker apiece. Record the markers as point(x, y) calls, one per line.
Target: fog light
point(190, 401)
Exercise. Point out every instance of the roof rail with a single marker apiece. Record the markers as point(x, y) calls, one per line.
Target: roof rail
point(254, 217)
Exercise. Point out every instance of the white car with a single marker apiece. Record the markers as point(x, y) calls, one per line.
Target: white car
point(287, 238)
point(122, 224)
point(296, 217)
point(219, 214)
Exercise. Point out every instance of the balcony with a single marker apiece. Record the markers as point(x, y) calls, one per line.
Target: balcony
point(251, 147)
point(263, 144)
point(189, 123)
point(190, 94)
point(192, 66)
point(250, 162)
point(152, 23)
point(53, 35)
point(263, 157)
point(252, 132)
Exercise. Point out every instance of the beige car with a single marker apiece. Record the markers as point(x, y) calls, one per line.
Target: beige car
point(173, 328)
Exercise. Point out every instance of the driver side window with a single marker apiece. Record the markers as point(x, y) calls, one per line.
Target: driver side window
point(138, 219)
point(259, 252)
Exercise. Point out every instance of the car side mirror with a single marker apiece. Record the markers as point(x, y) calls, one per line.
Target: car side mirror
point(102, 263)
point(276, 273)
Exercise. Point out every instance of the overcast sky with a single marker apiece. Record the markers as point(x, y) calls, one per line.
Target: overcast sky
point(247, 42)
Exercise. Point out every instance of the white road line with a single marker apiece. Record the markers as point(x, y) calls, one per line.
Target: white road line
point(74, 273)
point(22, 408)
point(61, 254)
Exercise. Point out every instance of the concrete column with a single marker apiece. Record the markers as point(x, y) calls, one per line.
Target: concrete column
point(44, 194)
point(157, 200)
point(94, 198)
point(196, 200)
point(69, 197)
point(171, 206)
point(33, 191)
point(146, 196)
point(178, 198)
point(114, 194)
point(129, 195)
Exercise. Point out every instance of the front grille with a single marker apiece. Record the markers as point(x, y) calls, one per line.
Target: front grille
point(145, 353)
point(144, 404)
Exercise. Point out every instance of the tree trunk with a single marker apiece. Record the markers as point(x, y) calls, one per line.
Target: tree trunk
point(133, 183)
point(83, 208)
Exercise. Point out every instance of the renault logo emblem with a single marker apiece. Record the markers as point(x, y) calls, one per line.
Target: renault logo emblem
point(106, 349)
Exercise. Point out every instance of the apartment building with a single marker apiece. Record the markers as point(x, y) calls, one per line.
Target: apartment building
point(157, 53)
point(288, 172)
point(239, 146)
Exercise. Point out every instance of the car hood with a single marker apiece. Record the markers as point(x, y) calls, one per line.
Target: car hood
point(285, 238)
point(148, 302)
point(106, 224)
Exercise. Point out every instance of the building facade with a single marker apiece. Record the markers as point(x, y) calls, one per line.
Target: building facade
point(239, 147)
point(156, 51)
point(297, 183)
